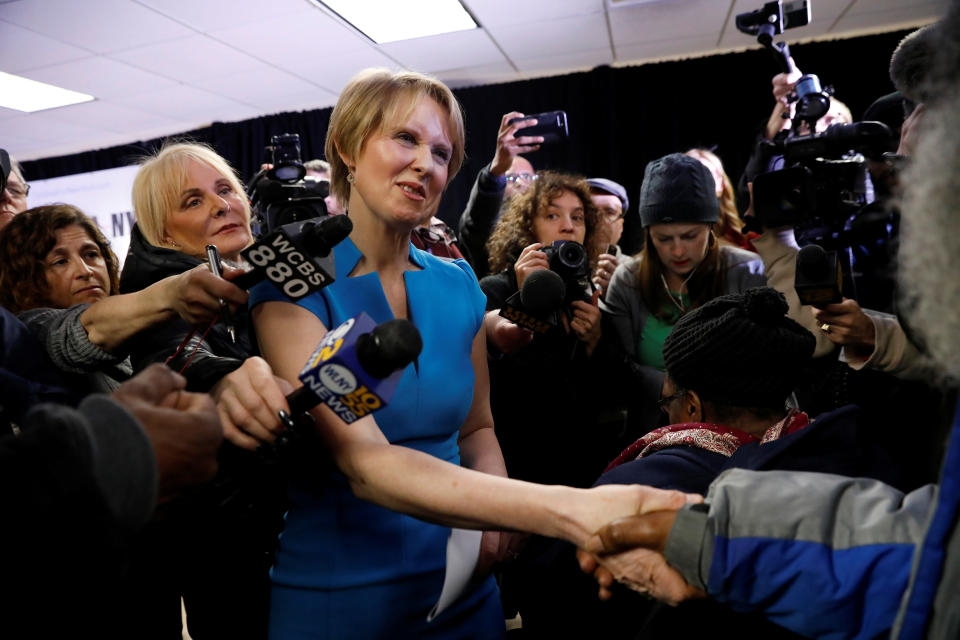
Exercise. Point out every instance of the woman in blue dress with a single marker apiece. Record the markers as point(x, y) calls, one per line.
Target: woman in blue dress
point(352, 562)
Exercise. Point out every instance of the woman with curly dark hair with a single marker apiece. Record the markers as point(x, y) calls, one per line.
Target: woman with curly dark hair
point(58, 273)
point(559, 440)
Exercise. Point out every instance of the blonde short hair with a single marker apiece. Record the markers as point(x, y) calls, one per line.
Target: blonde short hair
point(160, 181)
point(376, 96)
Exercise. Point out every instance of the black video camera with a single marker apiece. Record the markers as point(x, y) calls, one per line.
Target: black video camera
point(825, 176)
point(283, 194)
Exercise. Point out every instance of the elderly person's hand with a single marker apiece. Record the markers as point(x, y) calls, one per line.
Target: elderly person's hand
point(248, 400)
point(531, 259)
point(606, 265)
point(629, 550)
point(195, 295)
point(509, 146)
point(183, 427)
point(846, 324)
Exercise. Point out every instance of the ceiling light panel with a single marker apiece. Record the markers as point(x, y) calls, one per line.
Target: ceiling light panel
point(23, 94)
point(393, 20)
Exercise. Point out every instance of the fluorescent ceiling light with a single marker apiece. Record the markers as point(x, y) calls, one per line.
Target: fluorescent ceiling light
point(392, 20)
point(28, 95)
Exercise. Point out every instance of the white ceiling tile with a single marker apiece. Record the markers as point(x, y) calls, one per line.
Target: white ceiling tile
point(18, 146)
point(269, 89)
point(938, 7)
point(472, 76)
point(188, 104)
point(333, 73)
point(510, 12)
point(9, 113)
point(667, 20)
point(98, 25)
point(562, 62)
point(190, 58)
point(211, 15)
point(445, 51)
point(541, 40)
point(635, 53)
point(22, 49)
point(100, 77)
point(110, 117)
point(282, 41)
point(41, 126)
point(878, 19)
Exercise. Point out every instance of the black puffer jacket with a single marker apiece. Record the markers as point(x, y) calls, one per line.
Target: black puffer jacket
point(216, 354)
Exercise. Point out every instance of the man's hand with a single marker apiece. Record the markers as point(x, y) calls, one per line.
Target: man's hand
point(195, 295)
point(629, 550)
point(183, 427)
point(248, 400)
point(846, 324)
point(509, 147)
point(606, 265)
point(497, 547)
point(503, 335)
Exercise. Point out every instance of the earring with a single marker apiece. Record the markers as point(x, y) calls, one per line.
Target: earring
point(350, 178)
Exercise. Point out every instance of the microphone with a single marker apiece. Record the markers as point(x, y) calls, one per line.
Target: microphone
point(295, 258)
point(356, 368)
point(536, 305)
point(543, 292)
point(819, 278)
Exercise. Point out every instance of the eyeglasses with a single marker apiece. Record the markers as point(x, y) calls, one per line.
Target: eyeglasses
point(17, 191)
point(521, 177)
point(610, 214)
point(664, 403)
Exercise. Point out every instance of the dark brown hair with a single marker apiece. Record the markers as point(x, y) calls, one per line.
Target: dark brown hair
point(706, 283)
point(514, 230)
point(24, 245)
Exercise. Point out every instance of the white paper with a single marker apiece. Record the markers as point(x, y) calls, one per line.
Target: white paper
point(463, 550)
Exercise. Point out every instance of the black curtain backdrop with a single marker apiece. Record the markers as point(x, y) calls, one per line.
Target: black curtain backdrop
point(619, 118)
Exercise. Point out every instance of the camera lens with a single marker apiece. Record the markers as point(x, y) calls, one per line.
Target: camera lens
point(572, 255)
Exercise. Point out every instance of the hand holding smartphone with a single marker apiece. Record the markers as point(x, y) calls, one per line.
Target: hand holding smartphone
point(551, 125)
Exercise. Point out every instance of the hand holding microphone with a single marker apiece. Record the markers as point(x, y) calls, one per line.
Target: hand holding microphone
point(355, 369)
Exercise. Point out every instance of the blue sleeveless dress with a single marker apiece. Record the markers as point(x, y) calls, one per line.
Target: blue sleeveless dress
point(347, 568)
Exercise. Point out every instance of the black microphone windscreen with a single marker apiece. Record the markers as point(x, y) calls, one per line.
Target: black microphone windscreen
point(320, 237)
point(812, 263)
point(389, 347)
point(543, 292)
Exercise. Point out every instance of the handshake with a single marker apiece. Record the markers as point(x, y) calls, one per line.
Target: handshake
point(629, 550)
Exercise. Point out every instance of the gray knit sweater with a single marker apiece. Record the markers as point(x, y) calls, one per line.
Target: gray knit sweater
point(63, 336)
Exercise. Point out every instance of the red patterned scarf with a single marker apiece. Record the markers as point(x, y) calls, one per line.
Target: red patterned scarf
point(710, 437)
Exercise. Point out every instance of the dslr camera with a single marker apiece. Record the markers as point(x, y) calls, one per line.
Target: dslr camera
point(284, 194)
point(568, 259)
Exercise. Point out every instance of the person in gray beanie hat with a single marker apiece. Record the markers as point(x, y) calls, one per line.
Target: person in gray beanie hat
point(682, 267)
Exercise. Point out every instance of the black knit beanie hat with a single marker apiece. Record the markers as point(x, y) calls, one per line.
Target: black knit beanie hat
point(678, 188)
point(739, 350)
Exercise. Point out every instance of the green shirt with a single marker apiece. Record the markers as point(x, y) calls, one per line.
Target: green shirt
point(655, 332)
